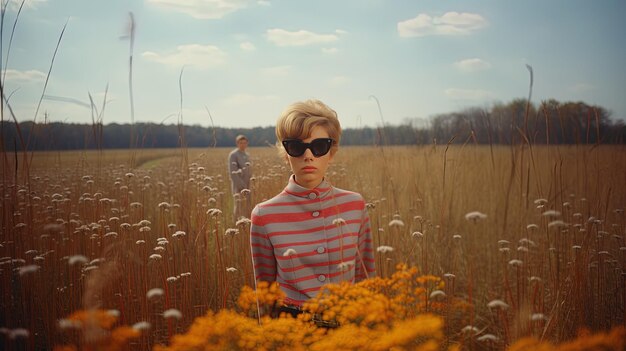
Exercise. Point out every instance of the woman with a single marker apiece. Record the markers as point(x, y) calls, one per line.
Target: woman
point(311, 233)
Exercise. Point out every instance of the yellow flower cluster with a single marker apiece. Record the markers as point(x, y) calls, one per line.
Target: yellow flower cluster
point(393, 313)
point(420, 333)
point(614, 340)
point(101, 318)
point(377, 301)
point(95, 327)
point(229, 330)
point(264, 300)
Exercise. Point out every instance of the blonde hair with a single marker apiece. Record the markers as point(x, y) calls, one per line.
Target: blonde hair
point(298, 120)
point(240, 137)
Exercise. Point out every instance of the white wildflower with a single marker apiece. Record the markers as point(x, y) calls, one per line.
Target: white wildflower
point(231, 269)
point(31, 268)
point(384, 249)
point(339, 221)
point(498, 304)
point(487, 337)
point(396, 223)
point(141, 325)
point(77, 259)
point(437, 293)
point(557, 224)
point(154, 292)
point(289, 252)
point(538, 317)
point(231, 232)
point(516, 263)
point(172, 313)
point(475, 216)
point(470, 329)
point(65, 324)
point(551, 213)
point(243, 221)
point(19, 333)
point(344, 266)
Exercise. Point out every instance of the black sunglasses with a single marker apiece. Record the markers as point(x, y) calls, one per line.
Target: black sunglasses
point(319, 147)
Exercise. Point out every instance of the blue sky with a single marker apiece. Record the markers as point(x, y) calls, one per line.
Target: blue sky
point(245, 61)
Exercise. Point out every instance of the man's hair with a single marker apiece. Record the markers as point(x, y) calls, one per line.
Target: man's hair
point(240, 137)
point(298, 120)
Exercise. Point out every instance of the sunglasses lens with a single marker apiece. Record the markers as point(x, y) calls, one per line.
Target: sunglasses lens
point(294, 148)
point(320, 147)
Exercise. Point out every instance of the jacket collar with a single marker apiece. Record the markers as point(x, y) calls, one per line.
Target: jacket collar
point(320, 191)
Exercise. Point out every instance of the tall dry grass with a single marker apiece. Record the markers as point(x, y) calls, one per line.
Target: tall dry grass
point(533, 239)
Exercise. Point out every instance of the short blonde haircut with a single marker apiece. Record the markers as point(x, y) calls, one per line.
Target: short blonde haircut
point(298, 120)
point(240, 137)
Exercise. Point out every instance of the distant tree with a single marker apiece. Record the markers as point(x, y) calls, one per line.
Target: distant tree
point(552, 122)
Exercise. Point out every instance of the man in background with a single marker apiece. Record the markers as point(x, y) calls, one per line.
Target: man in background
point(240, 171)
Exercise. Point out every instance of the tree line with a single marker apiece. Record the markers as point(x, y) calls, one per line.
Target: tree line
point(550, 122)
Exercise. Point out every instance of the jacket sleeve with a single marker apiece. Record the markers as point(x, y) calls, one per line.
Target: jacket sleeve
point(235, 173)
point(263, 259)
point(365, 263)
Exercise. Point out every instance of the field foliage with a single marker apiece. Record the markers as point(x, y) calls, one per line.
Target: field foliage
point(479, 248)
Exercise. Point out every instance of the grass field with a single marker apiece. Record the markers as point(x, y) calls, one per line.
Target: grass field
point(522, 241)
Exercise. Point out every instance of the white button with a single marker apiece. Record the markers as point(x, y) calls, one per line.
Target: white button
point(321, 277)
point(316, 213)
point(312, 196)
point(321, 249)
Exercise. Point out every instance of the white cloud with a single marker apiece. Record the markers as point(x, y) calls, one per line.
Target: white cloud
point(468, 94)
point(582, 88)
point(202, 9)
point(329, 50)
point(451, 23)
point(201, 56)
point(472, 65)
point(248, 99)
point(281, 37)
point(24, 76)
point(277, 71)
point(247, 46)
point(264, 3)
point(339, 80)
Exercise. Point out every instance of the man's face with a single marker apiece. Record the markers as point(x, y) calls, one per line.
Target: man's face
point(242, 144)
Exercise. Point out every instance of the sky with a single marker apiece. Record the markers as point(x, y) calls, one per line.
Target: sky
point(240, 63)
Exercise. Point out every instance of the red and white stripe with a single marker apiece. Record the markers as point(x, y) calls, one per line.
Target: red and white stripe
point(329, 230)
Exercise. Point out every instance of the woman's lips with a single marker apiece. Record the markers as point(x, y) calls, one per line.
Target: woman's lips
point(309, 169)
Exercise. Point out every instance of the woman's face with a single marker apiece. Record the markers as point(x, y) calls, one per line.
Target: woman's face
point(308, 169)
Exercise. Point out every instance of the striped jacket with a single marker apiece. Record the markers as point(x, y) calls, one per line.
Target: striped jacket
point(305, 238)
